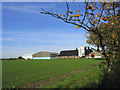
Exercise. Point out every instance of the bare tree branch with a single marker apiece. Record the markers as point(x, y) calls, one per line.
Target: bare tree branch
point(64, 19)
point(67, 9)
point(85, 13)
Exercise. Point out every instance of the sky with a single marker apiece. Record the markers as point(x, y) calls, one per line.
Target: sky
point(26, 31)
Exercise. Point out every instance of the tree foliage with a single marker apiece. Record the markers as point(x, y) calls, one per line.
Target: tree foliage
point(101, 21)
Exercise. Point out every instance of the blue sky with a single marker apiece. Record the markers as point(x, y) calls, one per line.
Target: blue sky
point(26, 31)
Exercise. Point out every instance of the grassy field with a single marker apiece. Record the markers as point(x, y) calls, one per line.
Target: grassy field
point(21, 72)
point(89, 78)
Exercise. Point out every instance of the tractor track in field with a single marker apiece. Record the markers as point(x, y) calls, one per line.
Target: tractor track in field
point(52, 80)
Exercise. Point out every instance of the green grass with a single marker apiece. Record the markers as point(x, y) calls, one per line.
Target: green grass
point(20, 72)
point(89, 78)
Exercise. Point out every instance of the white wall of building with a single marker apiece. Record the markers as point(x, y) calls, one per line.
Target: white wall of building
point(94, 57)
point(81, 51)
point(98, 57)
point(27, 56)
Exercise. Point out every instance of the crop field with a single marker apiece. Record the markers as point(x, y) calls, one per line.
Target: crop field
point(54, 73)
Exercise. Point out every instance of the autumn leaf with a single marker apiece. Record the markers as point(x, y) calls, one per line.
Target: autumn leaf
point(72, 15)
point(98, 20)
point(63, 15)
point(78, 10)
point(93, 22)
point(91, 7)
point(108, 7)
point(96, 15)
point(77, 27)
point(113, 56)
point(113, 36)
point(98, 24)
point(70, 12)
point(103, 2)
point(99, 14)
point(112, 23)
point(77, 15)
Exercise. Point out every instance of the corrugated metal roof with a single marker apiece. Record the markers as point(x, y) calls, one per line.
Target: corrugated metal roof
point(69, 53)
point(44, 54)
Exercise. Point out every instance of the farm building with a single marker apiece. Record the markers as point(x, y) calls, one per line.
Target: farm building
point(44, 55)
point(95, 53)
point(79, 52)
point(68, 54)
point(27, 56)
point(83, 51)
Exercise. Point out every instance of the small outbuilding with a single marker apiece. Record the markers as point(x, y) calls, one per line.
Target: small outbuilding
point(94, 54)
point(44, 55)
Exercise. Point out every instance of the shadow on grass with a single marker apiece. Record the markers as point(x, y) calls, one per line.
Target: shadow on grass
point(110, 80)
point(99, 59)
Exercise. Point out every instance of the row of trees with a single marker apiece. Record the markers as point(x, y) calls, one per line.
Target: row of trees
point(101, 21)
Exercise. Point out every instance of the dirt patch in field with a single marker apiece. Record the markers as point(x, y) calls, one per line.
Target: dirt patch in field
point(52, 80)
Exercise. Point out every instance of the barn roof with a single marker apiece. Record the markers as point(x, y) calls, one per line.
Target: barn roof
point(44, 54)
point(69, 53)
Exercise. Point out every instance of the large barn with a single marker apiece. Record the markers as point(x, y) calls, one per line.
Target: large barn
point(68, 54)
point(44, 55)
